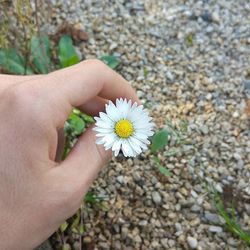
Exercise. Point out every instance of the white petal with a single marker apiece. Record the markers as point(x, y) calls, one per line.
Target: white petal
point(135, 147)
point(103, 130)
point(112, 139)
point(112, 111)
point(138, 142)
point(116, 152)
point(104, 124)
point(117, 145)
point(126, 149)
point(105, 118)
point(141, 136)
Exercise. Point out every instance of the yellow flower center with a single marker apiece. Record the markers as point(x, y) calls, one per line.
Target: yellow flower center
point(124, 128)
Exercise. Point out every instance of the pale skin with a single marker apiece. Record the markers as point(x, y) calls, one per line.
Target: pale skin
point(37, 192)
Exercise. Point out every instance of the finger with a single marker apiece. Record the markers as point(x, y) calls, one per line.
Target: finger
point(85, 160)
point(76, 85)
point(93, 106)
point(8, 80)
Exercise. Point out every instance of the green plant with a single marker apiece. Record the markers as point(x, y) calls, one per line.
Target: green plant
point(159, 140)
point(111, 61)
point(163, 137)
point(229, 216)
point(189, 39)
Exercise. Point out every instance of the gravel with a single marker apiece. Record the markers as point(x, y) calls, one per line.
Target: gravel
point(188, 61)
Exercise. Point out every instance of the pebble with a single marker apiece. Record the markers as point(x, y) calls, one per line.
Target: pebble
point(195, 208)
point(120, 179)
point(156, 197)
point(136, 175)
point(212, 218)
point(192, 242)
point(215, 229)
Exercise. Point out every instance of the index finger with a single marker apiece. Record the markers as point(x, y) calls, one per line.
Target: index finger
point(80, 83)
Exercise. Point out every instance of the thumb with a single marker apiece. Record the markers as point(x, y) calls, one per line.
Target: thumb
point(86, 158)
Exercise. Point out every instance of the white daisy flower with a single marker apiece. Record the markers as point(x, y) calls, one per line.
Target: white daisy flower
point(124, 127)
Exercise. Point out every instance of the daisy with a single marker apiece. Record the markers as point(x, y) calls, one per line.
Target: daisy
point(124, 126)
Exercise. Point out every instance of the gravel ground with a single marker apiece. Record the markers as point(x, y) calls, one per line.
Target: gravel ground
point(188, 61)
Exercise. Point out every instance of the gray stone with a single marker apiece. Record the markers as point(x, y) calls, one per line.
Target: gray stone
point(195, 208)
point(192, 242)
point(120, 179)
point(247, 84)
point(143, 223)
point(204, 129)
point(215, 229)
point(136, 175)
point(164, 242)
point(156, 197)
point(212, 218)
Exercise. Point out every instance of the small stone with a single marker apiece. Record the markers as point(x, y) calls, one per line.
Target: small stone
point(136, 176)
point(155, 244)
point(113, 46)
point(164, 242)
point(156, 197)
point(246, 85)
point(204, 129)
point(172, 215)
point(207, 17)
point(140, 94)
point(170, 77)
point(195, 208)
point(120, 179)
point(143, 223)
point(215, 229)
point(192, 242)
point(117, 245)
point(124, 232)
point(212, 218)
point(215, 17)
point(235, 114)
point(87, 239)
point(232, 242)
point(137, 239)
point(178, 227)
point(219, 188)
point(171, 243)
point(103, 245)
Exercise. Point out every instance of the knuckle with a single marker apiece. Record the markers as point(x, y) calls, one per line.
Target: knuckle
point(97, 64)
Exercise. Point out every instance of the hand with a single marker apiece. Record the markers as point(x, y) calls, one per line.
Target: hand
point(37, 193)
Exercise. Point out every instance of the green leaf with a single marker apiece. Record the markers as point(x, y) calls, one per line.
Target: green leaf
point(12, 62)
point(64, 226)
point(159, 140)
point(164, 170)
point(161, 168)
point(111, 61)
point(90, 198)
point(81, 229)
point(87, 118)
point(66, 246)
point(40, 52)
point(67, 54)
point(76, 220)
point(77, 124)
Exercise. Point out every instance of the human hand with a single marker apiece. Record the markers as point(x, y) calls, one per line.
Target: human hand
point(37, 193)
